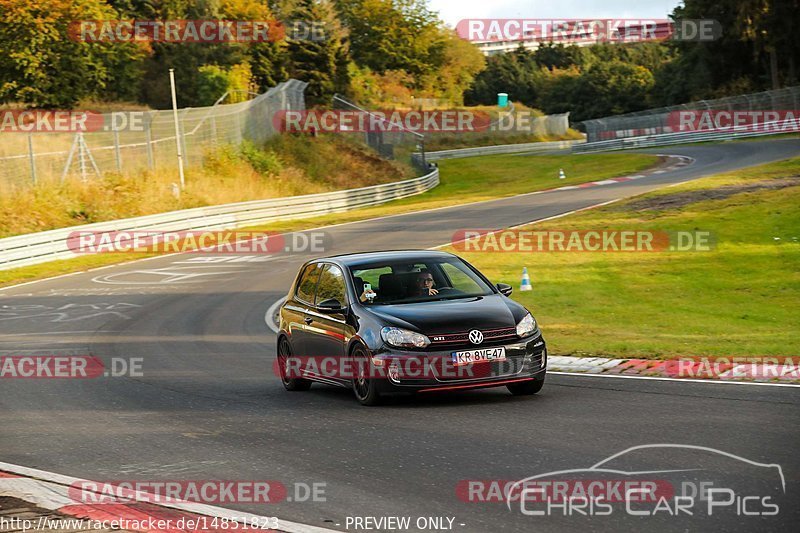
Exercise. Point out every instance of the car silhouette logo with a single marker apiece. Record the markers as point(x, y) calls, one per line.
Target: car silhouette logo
point(475, 336)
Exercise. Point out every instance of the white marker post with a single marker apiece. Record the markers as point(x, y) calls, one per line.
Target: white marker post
point(177, 127)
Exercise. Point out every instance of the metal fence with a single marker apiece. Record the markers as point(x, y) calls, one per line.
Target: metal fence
point(394, 143)
point(657, 121)
point(410, 146)
point(35, 248)
point(510, 126)
point(554, 147)
point(150, 144)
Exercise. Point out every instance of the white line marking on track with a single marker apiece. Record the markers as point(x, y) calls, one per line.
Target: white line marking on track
point(51, 490)
point(271, 313)
point(54, 333)
point(680, 380)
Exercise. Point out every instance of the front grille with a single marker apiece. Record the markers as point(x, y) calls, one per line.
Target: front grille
point(510, 366)
point(490, 337)
point(445, 372)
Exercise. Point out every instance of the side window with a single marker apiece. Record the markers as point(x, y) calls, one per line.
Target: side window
point(372, 275)
point(460, 279)
point(331, 285)
point(308, 282)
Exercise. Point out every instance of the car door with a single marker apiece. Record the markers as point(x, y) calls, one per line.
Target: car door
point(325, 330)
point(296, 309)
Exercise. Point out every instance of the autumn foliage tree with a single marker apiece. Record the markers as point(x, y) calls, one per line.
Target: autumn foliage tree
point(43, 66)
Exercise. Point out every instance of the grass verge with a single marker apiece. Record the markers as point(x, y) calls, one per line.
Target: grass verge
point(740, 299)
point(463, 180)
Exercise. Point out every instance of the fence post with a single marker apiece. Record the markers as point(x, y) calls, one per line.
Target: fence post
point(32, 158)
point(148, 136)
point(81, 156)
point(238, 126)
point(178, 147)
point(117, 153)
point(183, 135)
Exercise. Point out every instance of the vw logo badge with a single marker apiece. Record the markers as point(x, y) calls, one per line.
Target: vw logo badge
point(475, 336)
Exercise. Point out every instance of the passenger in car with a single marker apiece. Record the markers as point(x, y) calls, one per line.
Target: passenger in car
point(366, 294)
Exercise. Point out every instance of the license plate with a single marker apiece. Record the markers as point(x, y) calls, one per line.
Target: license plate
point(482, 355)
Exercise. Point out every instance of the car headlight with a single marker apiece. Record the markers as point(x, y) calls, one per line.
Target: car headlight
point(402, 338)
point(526, 326)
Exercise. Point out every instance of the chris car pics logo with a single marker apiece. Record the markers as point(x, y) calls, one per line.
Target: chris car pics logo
point(656, 480)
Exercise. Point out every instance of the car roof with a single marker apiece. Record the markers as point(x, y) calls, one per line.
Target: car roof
point(386, 255)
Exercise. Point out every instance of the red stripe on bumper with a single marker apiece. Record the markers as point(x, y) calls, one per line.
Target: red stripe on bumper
point(475, 385)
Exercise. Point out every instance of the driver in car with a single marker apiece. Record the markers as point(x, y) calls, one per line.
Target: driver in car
point(423, 285)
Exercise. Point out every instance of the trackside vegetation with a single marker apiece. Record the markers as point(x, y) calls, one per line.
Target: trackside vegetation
point(321, 167)
point(739, 299)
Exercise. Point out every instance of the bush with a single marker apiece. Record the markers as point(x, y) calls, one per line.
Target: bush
point(264, 162)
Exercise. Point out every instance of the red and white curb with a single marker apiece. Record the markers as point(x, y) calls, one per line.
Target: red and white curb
point(786, 373)
point(52, 491)
point(678, 161)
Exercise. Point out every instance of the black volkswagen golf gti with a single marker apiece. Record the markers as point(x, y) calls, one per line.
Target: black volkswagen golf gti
point(405, 321)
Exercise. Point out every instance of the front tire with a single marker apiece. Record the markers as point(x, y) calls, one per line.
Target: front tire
point(364, 388)
point(526, 388)
point(284, 355)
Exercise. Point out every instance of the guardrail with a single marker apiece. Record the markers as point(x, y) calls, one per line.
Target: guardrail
point(540, 147)
point(665, 139)
point(52, 245)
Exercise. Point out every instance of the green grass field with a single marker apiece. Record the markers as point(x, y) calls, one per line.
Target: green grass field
point(462, 181)
point(740, 299)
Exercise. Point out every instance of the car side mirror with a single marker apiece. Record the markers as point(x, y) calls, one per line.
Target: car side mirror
point(505, 289)
point(331, 305)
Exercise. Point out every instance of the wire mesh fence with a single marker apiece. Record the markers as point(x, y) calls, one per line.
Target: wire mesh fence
point(505, 126)
point(665, 120)
point(390, 142)
point(486, 126)
point(146, 142)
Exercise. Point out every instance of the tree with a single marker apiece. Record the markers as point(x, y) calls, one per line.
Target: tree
point(558, 56)
point(394, 35)
point(42, 65)
point(758, 48)
point(515, 73)
point(322, 62)
point(604, 89)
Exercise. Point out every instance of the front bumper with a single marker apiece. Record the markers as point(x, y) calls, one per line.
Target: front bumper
point(433, 370)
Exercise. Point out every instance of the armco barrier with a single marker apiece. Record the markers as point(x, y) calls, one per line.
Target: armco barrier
point(52, 245)
point(665, 139)
point(540, 147)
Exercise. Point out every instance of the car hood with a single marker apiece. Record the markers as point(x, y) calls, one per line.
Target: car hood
point(452, 316)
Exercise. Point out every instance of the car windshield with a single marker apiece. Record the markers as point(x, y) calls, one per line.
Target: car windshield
point(422, 280)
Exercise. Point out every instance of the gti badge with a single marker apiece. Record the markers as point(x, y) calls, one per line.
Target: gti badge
point(475, 336)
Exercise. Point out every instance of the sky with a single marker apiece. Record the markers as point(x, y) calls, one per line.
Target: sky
point(451, 11)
